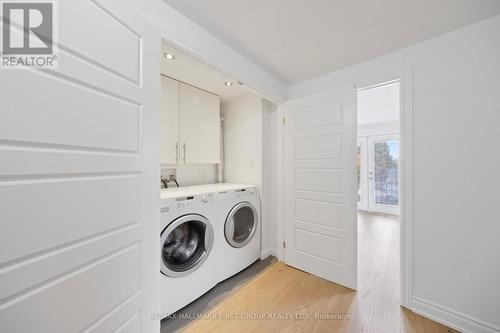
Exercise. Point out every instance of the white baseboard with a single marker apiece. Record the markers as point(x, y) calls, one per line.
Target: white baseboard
point(451, 318)
point(270, 251)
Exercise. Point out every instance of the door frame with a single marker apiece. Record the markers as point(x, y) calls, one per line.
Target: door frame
point(372, 206)
point(363, 177)
point(406, 178)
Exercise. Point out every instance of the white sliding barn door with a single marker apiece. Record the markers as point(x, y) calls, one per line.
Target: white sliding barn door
point(79, 152)
point(320, 183)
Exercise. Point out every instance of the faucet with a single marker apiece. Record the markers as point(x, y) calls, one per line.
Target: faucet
point(163, 182)
point(172, 179)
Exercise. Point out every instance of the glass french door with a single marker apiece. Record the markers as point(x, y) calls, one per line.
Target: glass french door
point(378, 184)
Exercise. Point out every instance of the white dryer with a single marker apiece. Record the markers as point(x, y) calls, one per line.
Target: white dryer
point(189, 246)
point(239, 233)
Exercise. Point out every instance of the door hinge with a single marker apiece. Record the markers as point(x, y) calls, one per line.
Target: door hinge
point(284, 120)
point(284, 244)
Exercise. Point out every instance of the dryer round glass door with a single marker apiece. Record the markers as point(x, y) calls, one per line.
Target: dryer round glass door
point(185, 244)
point(241, 224)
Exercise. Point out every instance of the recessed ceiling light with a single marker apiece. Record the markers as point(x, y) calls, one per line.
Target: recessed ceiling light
point(168, 56)
point(228, 84)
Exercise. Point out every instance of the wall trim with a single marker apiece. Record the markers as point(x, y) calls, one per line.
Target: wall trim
point(451, 318)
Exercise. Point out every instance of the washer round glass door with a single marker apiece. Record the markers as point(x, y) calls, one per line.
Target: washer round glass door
point(185, 245)
point(241, 224)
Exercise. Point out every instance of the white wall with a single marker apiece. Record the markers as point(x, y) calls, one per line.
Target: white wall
point(378, 104)
point(269, 177)
point(242, 130)
point(191, 174)
point(456, 117)
point(378, 129)
point(250, 136)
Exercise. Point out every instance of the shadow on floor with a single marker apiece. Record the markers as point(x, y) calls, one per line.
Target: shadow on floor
point(216, 295)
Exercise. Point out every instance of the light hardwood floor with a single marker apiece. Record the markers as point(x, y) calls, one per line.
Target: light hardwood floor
point(266, 301)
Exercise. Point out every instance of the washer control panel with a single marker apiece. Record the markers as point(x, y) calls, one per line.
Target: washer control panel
point(245, 192)
point(191, 201)
point(206, 197)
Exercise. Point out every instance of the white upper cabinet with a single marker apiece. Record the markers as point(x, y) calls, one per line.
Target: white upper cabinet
point(190, 124)
point(199, 126)
point(169, 121)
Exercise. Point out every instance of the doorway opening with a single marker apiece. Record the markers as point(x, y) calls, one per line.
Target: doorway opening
point(213, 129)
point(378, 190)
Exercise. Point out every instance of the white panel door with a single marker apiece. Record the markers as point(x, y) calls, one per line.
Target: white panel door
point(169, 121)
point(79, 152)
point(199, 126)
point(320, 185)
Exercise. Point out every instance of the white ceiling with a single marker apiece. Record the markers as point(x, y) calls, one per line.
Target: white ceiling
point(378, 105)
point(297, 39)
point(186, 69)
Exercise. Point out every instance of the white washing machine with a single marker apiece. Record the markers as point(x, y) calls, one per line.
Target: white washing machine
point(239, 232)
point(189, 246)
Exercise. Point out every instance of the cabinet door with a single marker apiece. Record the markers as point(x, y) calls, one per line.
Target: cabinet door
point(169, 121)
point(199, 126)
